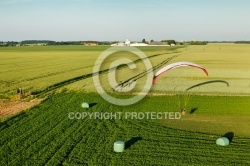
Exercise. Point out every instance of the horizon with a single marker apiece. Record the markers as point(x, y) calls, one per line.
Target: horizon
point(85, 20)
point(209, 41)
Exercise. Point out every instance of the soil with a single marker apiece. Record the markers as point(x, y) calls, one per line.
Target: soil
point(10, 107)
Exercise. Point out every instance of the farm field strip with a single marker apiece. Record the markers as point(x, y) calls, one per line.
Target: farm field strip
point(28, 63)
point(42, 68)
point(40, 120)
point(59, 61)
point(124, 75)
point(59, 140)
point(63, 152)
point(180, 79)
point(43, 130)
point(50, 74)
point(52, 141)
point(199, 54)
point(78, 78)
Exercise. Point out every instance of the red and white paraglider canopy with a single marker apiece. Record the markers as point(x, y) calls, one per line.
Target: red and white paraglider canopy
point(175, 65)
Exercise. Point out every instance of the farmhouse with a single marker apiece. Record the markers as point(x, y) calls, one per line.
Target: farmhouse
point(90, 43)
point(126, 43)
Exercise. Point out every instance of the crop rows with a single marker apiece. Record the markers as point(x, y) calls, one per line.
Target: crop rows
point(45, 136)
point(38, 67)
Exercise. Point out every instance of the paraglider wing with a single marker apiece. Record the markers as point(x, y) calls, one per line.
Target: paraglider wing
point(175, 65)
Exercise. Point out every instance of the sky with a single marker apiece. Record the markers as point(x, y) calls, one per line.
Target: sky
point(117, 20)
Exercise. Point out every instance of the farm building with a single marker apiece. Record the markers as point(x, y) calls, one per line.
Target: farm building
point(157, 43)
point(128, 43)
point(90, 43)
point(138, 44)
point(154, 43)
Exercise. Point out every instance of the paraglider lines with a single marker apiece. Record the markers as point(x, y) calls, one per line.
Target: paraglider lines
point(127, 82)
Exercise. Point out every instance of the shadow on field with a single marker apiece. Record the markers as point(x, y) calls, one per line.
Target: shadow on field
point(208, 82)
point(132, 141)
point(92, 105)
point(193, 110)
point(229, 136)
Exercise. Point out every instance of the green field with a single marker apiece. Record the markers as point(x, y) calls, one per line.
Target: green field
point(62, 75)
point(36, 68)
point(44, 135)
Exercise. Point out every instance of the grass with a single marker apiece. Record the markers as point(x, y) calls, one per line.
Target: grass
point(225, 62)
point(50, 65)
point(45, 135)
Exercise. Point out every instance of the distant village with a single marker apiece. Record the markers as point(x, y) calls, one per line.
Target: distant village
point(88, 43)
point(111, 43)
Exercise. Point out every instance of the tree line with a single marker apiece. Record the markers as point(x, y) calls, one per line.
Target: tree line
point(50, 42)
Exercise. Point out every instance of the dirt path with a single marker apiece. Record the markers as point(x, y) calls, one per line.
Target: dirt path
point(10, 107)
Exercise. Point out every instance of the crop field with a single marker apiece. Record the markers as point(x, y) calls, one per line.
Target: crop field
point(45, 135)
point(37, 68)
point(61, 76)
point(226, 63)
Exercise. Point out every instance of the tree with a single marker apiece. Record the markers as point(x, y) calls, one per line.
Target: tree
point(143, 41)
point(169, 41)
point(198, 43)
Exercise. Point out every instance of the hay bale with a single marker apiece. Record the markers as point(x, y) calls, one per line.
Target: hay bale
point(85, 105)
point(222, 141)
point(119, 146)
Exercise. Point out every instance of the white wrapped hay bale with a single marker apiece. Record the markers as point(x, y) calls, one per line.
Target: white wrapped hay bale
point(119, 146)
point(222, 141)
point(85, 105)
